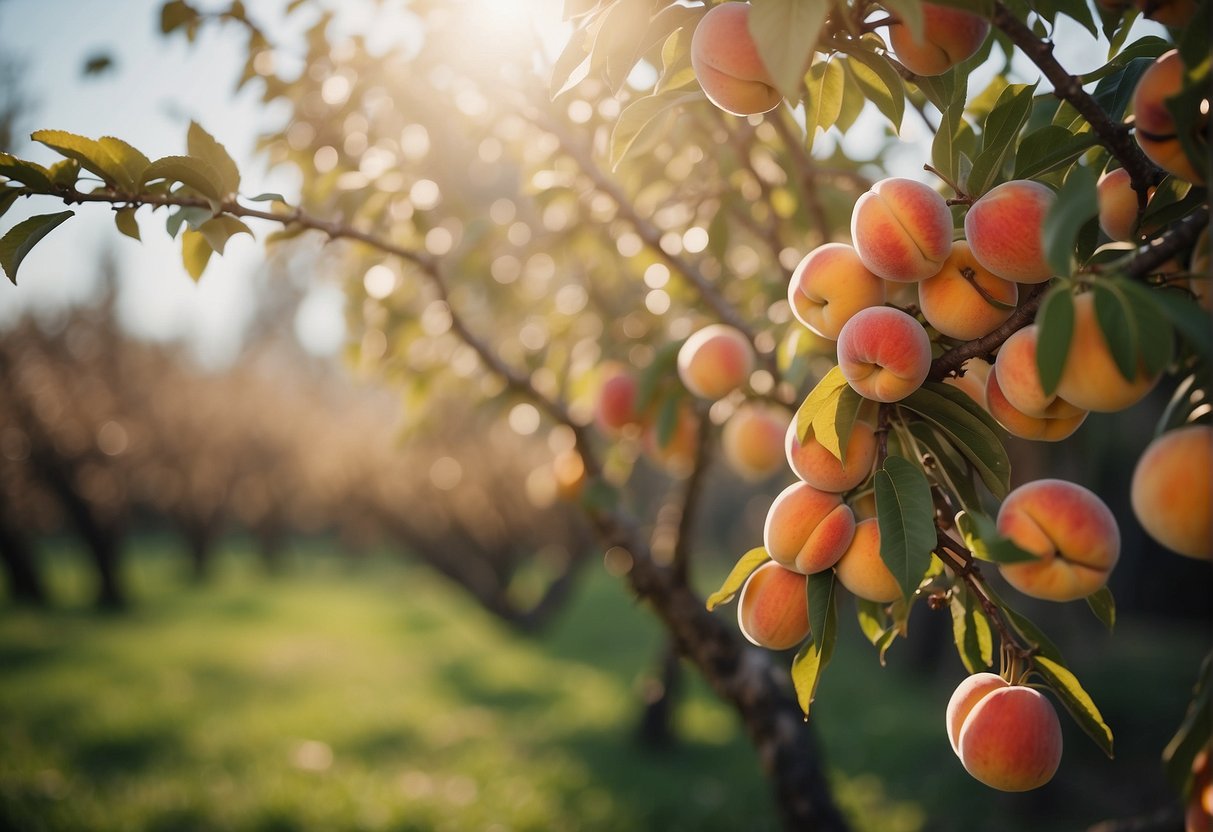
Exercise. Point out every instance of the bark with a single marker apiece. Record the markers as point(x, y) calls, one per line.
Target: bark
point(17, 555)
point(656, 728)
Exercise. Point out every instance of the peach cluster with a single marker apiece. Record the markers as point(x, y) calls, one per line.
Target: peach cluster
point(1015, 397)
point(1007, 736)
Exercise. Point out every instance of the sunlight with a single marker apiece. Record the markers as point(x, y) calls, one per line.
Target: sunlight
point(508, 30)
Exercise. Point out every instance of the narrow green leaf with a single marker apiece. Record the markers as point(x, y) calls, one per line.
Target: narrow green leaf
point(23, 236)
point(1076, 700)
point(1055, 320)
point(1103, 605)
point(1114, 92)
point(676, 69)
point(1118, 326)
point(124, 218)
point(980, 534)
point(1150, 46)
point(826, 391)
point(971, 631)
point(1155, 342)
point(195, 253)
point(881, 85)
point(268, 197)
point(741, 570)
point(813, 657)
point(7, 197)
point(948, 466)
point(786, 32)
point(1029, 631)
point(873, 620)
point(571, 58)
point(826, 84)
point(820, 592)
point(637, 115)
point(194, 173)
point(1191, 321)
point(968, 428)
point(1194, 732)
point(999, 136)
point(1050, 148)
point(1075, 204)
point(905, 513)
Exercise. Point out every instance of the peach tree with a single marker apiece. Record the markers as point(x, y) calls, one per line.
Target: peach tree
point(653, 250)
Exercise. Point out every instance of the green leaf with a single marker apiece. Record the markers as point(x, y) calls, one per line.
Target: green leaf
point(571, 58)
point(741, 570)
point(676, 69)
point(191, 172)
point(64, 173)
point(814, 655)
point(23, 236)
point(220, 229)
point(1114, 92)
point(1103, 605)
point(268, 197)
point(785, 32)
point(999, 135)
point(7, 197)
point(1055, 320)
point(971, 631)
point(826, 391)
point(906, 516)
point(124, 218)
point(820, 592)
point(1194, 732)
point(618, 43)
point(195, 253)
point(880, 84)
point(826, 84)
point(947, 464)
point(667, 420)
point(202, 145)
point(132, 162)
point(1150, 46)
point(637, 115)
point(969, 429)
point(833, 424)
point(980, 534)
point(1050, 148)
point(27, 173)
point(873, 620)
point(945, 147)
point(1155, 342)
point(1029, 631)
point(109, 160)
point(1075, 204)
point(1189, 319)
point(1076, 700)
point(1078, 10)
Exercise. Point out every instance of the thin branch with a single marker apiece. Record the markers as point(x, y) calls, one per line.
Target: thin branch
point(692, 492)
point(950, 362)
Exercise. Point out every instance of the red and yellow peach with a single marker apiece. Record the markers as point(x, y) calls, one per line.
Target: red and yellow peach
point(884, 354)
point(862, 570)
point(829, 286)
point(1172, 491)
point(1005, 230)
point(965, 300)
point(773, 610)
point(902, 230)
point(1154, 124)
point(949, 36)
point(727, 65)
point(807, 530)
point(715, 361)
point(816, 465)
point(753, 440)
point(1090, 379)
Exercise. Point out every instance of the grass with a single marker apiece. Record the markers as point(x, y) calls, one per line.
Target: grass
point(379, 698)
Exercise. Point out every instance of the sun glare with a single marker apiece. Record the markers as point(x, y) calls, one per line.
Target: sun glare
point(512, 29)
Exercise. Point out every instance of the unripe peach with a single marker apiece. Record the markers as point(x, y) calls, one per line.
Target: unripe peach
point(773, 610)
point(807, 530)
point(949, 36)
point(973, 382)
point(861, 569)
point(1044, 428)
point(727, 65)
point(1117, 204)
point(615, 408)
point(715, 361)
point(964, 299)
point(814, 463)
point(1090, 379)
point(1172, 491)
point(1155, 126)
point(1007, 736)
point(1005, 230)
point(1172, 13)
point(884, 354)
point(1071, 532)
point(753, 440)
point(1019, 378)
point(830, 285)
point(902, 230)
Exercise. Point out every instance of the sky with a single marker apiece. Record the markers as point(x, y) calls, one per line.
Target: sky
point(156, 87)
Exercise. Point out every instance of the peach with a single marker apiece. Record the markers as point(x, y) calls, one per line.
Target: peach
point(972, 381)
point(1172, 13)
point(715, 361)
point(1071, 532)
point(807, 530)
point(568, 469)
point(861, 569)
point(949, 36)
point(965, 300)
point(1048, 427)
point(677, 456)
point(830, 285)
point(814, 463)
point(1090, 379)
point(864, 507)
point(1199, 814)
point(1019, 378)
point(753, 440)
point(727, 65)
point(1007, 736)
point(773, 610)
point(1172, 491)
point(1155, 126)
point(884, 354)
point(615, 407)
point(1117, 204)
point(902, 230)
point(1005, 230)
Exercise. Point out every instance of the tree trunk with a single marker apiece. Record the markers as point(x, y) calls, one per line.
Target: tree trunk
point(662, 692)
point(16, 552)
point(200, 545)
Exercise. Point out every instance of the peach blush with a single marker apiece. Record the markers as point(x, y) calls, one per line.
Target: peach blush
point(902, 230)
point(884, 354)
point(807, 530)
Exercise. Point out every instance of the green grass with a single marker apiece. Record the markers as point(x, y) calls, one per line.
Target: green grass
point(379, 698)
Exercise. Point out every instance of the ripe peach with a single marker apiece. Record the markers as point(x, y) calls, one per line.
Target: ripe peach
point(1005, 227)
point(1070, 530)
point(1155, 126)
point(1019, 379)
point(884, 354)
point(814, 464)
point(1117, 204)
point(973, 382)
point(830, 285)
point(864, 507)
point(1172, 13)
point(949, 36)
point(1007, 736)
point(807, 530)
point(773, 610)
point(861, 569)
point(1047, 427)
point(1091, 379)
point(902, 230)
point(715, 361)
point(727, 64)
point(753, 440)
point(615, 408)
point(965, 300)
point(1199, 814)
point(678, 455)
point(1172, 491)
